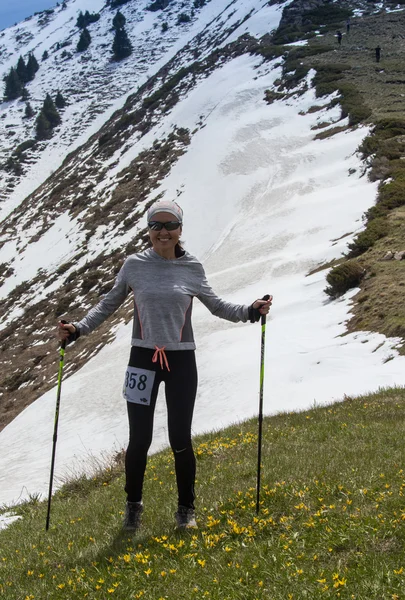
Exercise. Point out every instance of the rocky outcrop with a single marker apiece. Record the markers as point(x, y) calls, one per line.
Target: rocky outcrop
point(296, 13)
point(390, 255)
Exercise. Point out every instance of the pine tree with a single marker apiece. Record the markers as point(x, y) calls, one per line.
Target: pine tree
point(81, 21)
point(116, 3)
point(22, 70)
point(50, 112)
point(84, 41)
point(43, 127)
point(29, 111)
point(119, 20)
point(121, 46)
point(45, 55)
point(32, 67)
point(60, 102)
point(86, 19)
point(13, 87)
point(25, 93)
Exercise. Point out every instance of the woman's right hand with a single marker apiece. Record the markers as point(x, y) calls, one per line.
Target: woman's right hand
point(65, 330)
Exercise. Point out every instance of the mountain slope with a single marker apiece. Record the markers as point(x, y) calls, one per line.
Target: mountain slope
point(265, 203)
point(95, 197)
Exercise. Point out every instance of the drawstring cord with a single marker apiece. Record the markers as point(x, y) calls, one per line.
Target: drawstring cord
point(161, 353)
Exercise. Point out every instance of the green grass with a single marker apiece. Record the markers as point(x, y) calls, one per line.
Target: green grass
point(372, 94)
point(331, 522)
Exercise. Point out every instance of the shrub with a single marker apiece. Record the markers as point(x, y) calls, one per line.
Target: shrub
point(323, 135)
point(269, 52)
point(326, 80)
point(27, 145)
point(292, 80)
point(357, 113)
point(287, 34)
point(183, 18)
point(392, 195)
point(158, 5)
point(91, 280)
point(386, 128)
point(344, 277)
point(327, 14)
point(62, 306)
point(271, 96)
point(375, 230)
point(352, 104)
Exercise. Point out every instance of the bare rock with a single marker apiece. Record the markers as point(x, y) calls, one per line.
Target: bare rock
point(389, 256)
point(399, 255)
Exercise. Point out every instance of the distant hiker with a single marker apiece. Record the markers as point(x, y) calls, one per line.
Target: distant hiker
point(339, 36)
point(164, 280)
point(348, 25)
point(378, 54)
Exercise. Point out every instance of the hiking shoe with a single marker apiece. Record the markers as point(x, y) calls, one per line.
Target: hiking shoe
point(132, 518)
point(185, 518)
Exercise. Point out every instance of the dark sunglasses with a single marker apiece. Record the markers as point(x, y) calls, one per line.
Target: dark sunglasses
point(158, 226)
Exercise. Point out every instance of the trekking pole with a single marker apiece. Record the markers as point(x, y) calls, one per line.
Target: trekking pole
point(55, 430)
point(259, 450)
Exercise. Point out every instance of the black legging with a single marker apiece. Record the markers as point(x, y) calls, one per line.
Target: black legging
point(180, 389)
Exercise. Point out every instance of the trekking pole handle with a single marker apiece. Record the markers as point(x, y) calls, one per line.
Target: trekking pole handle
point(263, 317)
point(63, 342)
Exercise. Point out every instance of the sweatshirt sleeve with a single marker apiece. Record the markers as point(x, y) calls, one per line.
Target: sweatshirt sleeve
point(107, 305)
point(220, 308)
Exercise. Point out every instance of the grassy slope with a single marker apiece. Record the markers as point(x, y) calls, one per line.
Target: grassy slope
point(331, 523)
point(380, 304)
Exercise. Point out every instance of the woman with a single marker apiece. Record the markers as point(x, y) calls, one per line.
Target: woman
point(164, 280)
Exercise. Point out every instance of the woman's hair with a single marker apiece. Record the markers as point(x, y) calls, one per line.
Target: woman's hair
point(178, 249)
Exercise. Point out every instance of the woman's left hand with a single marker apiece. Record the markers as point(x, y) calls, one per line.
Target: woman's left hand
point(263, 305)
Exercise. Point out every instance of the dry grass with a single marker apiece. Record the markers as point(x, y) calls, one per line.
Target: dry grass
point(382, 85)
point(379, 306)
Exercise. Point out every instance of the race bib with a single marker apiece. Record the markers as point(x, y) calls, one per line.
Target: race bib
point(138, 385)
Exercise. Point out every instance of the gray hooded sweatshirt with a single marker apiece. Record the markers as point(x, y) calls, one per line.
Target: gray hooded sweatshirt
point(163, 292)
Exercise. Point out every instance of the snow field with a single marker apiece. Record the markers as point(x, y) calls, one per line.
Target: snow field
point(263, 203)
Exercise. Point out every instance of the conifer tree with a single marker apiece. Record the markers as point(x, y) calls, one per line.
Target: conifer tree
point(45, 55)
point(119, 20)
point(32, 67)
point(22, 70)
point(13, 87)
point(86, 19)
point(25, 93)
point(60, 102)
point(84, 41)
point(50, 111)
point(81, 21)
point(121, 46)
point(43, 127)
point(29, 111)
